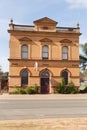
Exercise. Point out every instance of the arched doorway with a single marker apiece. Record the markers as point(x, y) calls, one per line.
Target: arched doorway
point(44, 82)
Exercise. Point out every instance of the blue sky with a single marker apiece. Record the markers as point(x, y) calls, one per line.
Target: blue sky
point(65, 12)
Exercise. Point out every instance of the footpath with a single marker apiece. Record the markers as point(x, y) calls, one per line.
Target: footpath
point(43, 96)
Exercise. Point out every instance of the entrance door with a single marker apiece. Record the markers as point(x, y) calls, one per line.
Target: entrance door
point(44, 82)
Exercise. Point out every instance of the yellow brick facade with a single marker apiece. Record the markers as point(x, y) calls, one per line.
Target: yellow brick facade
point(44, 32)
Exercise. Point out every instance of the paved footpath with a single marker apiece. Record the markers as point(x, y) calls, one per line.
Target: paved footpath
point(44, 96)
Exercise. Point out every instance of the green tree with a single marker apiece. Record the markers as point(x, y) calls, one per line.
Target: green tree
point(83, 56)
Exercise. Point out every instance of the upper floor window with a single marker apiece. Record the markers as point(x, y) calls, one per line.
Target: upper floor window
point(24, 52)
point(45, 51)
point(65, 53)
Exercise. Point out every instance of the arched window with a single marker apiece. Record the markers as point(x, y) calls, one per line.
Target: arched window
point(65, 53)
point(24, 52)
point(65, 76)
point(24, 78)
point(45, 51)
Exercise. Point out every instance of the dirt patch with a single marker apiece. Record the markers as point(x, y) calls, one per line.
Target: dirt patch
point(45, 124)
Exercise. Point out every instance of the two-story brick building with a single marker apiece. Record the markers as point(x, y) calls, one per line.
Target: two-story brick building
point(42, 54)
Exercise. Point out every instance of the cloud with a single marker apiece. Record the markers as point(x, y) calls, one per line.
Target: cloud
point(77, 3)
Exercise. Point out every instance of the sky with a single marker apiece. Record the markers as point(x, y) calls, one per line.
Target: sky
point(66, 12)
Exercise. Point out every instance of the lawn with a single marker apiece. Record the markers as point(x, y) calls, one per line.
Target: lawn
point(45, 124)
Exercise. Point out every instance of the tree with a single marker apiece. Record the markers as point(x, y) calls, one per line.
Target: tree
point(0, 69)
point(4, 81)
point(83, 56)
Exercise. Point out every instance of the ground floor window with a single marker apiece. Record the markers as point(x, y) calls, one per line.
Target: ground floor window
point(65, 76)
point(24, 78)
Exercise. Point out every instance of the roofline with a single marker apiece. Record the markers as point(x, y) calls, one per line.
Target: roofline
point(22, 25)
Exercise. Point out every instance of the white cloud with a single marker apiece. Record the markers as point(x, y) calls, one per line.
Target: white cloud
point(77, 3)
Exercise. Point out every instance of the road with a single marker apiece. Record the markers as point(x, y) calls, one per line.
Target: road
point(20, 109)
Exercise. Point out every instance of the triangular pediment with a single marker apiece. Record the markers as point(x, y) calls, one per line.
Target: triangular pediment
point(45, 20)
point(45, 40)
point(65, 41)
point(25, 39)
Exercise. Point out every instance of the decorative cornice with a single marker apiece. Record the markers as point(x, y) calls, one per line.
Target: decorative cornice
point(43, 60)
point(40, 33)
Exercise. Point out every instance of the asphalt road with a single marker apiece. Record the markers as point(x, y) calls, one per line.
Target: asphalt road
point(20, 109)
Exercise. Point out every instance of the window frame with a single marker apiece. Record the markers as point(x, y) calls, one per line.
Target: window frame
point(45, 52)
point(65, 76)
point(64, 54)
point(24, 52)
point(23, 83)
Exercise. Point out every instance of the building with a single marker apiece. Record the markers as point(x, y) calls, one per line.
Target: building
point(42, 54)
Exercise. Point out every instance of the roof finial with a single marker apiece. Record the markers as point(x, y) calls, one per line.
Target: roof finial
point(78, 25)
point(11, 21)
point(11, 25)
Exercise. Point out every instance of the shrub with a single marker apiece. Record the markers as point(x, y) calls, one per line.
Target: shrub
point(35, 88)
point(21, 91)
point(61, 88)
point(18, 91)
point(66, 89)
point(14, 92)
point(84, 90)
point(69, 89)
point(62, 82)
point(30, 90)
point(71, 84)
point(15, 86)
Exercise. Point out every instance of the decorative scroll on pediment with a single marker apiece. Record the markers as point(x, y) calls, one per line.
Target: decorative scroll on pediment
point(65, 41)
point(45, 40)
point(25, 39)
